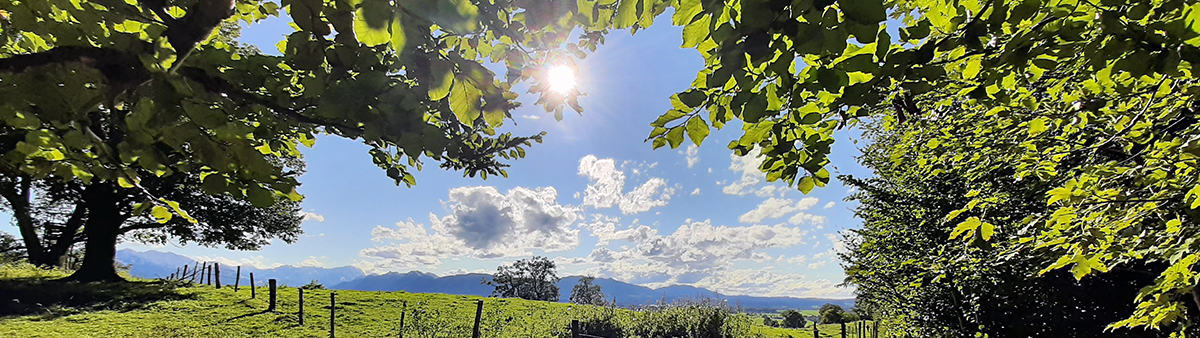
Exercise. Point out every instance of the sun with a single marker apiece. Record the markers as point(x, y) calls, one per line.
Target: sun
point(562, 79)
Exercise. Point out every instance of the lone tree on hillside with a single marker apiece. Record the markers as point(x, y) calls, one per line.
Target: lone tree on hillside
point(831, 313)
point(793, 319)
point(533, 279)
point(587, 293)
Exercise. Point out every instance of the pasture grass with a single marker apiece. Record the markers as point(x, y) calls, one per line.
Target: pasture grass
point(34, 304)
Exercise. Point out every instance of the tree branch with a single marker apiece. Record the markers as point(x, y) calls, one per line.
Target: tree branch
point(140, 226)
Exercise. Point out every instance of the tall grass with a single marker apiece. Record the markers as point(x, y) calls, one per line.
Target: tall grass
point(686, 318)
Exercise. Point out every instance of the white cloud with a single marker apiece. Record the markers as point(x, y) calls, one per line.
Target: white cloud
point(696, 253)
point(751, 176)
point(532, 117)
point(608, 184)
point(696, 192)
point(312, 261)
point(807, 218)
point(816, 265)
point(308, 215)
point(692, 155)
point(483, 224)
point(776, 208)
point(852, 190)
point(829, 205)
point(710, 170)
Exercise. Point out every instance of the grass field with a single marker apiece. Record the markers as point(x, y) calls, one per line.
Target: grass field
point(44, 308)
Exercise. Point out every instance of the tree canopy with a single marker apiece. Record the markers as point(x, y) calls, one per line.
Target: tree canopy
point(587, 292)
point(534, 279)
point(793, 319)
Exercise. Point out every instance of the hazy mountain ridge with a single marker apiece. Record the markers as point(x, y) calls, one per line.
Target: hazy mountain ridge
point(153, 264)
point(156, 264)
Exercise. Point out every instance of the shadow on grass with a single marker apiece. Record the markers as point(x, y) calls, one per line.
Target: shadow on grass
point(50, 298)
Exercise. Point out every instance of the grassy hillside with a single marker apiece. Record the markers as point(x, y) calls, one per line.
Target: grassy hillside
point(43, 308)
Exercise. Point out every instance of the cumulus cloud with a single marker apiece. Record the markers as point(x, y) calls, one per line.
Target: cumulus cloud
point(807, 218)
point(312, 261)
point(483, 223)
point(695, 252)
point(829, 205)
point(816, 265)
point(696, 192)
point(751, 176)
point(776, 208)
point(532, 117)
point(308, 215)
point(692, 154)
point(608, 184)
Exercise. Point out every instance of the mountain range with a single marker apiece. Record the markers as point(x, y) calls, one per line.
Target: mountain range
point(154, 264)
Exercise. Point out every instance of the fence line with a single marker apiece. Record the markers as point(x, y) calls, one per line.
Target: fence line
point(209, 274)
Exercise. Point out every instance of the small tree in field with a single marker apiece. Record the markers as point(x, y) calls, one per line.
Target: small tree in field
point(767, 321)
point(831, 314)
point(587, 293)
point(793, 319)
point(532, 279)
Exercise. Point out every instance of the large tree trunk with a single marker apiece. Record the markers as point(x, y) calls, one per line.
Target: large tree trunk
point(101, 229)
point(18, 196)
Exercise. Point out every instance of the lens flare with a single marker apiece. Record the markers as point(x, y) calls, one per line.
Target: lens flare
point(562, 79)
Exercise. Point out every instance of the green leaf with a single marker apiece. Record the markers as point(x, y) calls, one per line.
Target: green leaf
point(260, 197)
point(675, 137)
point(1037, 126)
point(368, 35)
point(398, 38)
point(1058, 194)
point(124, 183)
point(697, 129)
point(971, 224)
point(161, 214)
point(806, 184)
point(987, 230)
point(464, 100)
point(626, 14)
point(692, 98)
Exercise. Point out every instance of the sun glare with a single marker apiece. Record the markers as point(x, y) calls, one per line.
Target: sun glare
point(562, 79)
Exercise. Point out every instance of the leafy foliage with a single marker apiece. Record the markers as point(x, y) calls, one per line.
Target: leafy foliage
point(793, 319)
point(587, 293)
point(831, 314)
point(1095, 97)
point(532, 279)
point(313, 285)
point(907, 274)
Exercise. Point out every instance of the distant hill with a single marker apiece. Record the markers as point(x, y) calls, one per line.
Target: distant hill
point(626, 294)
point(155, 264)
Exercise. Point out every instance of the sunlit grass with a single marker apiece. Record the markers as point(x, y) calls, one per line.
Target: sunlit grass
point(159, 309)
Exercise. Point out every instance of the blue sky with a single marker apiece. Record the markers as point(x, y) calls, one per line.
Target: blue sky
point(594, 196)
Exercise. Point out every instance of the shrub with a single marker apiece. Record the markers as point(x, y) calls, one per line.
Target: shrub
point(313, 285)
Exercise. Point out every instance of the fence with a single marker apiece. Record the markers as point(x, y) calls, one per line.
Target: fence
point(209, 273)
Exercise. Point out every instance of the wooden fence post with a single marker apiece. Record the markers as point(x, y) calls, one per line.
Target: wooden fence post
point(816, 333)
point(184, 275)
point(332, 305)
point(574, 328)
point(252, 285)
point(207, 274)
point(271, 284)
point(237, 279)
point(301, 307)
point(478, 316)
point(402, 312)
point(217, 271)
point(843, 329)
point(196, 272)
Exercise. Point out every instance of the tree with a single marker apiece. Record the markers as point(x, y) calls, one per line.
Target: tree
point(830, 313)
point(115, 93)
point(532, 279)
point(1056, 87)
point(793, 319)
point(915, 281)
point(587, 293)
point(768, 322)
